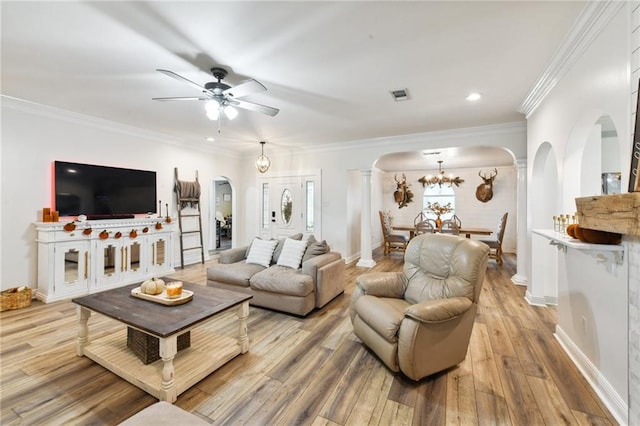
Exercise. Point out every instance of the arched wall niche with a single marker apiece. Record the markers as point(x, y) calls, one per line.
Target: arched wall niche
point(545, 188)
point(592, 149)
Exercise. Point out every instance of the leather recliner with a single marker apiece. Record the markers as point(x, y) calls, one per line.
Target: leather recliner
point(419, 321)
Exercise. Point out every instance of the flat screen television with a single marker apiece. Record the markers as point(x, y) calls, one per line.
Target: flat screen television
point(103, 192)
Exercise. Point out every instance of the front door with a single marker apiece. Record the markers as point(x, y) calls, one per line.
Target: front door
point(285, 202)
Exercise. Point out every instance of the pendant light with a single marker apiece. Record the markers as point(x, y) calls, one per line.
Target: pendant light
point(263, 162)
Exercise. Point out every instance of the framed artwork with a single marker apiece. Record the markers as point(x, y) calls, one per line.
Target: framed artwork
point(226, 197)
point(634, 174)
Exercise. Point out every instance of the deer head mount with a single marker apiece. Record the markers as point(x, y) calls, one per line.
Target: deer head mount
point(402, 194)
point(484, 191)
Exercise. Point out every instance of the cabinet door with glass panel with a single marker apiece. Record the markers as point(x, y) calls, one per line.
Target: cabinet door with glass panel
point(118, 259)
point(72, 268)
point(159, 248)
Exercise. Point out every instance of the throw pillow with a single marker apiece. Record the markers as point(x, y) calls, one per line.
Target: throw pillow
point(292, 252)
point(261, 251)
point(278, 250)
point(316, 249)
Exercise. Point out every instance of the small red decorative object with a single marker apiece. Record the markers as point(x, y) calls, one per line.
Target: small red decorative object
point(104, 235)
point(87, 231)
point(71, 226)
point(133, 233)
point(118, 235)
point(168, 219)
point(145, 229)
point(158, 225)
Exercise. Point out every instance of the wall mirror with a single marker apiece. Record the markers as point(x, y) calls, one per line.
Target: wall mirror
point(286, 206)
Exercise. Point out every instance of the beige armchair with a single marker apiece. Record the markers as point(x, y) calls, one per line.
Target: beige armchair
point(419, 321)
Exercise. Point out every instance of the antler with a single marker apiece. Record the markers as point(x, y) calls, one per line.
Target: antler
point(490, 177)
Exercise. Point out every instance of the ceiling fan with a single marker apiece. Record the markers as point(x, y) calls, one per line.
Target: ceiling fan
point(222, 98)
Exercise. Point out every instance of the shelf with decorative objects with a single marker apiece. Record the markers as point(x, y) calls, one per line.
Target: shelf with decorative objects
point(82, 257)
point(600, 252)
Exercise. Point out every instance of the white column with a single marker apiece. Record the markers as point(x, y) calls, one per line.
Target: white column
point(520, 278)
point(366, 257)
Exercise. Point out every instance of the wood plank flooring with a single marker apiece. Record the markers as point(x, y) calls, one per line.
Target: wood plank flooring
point(310, 371)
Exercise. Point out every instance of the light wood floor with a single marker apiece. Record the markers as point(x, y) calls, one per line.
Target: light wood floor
point(311, 370)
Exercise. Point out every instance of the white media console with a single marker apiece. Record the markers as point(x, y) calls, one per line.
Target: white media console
point(101, 254)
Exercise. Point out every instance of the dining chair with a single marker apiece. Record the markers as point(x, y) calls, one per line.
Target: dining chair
point(427, 226)
point(449, 226)
point(496, 245)
point(392, 242)
point(421, 216)
point(457, 220)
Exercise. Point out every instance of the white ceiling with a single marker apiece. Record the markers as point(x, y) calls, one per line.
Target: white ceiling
point(328, 66)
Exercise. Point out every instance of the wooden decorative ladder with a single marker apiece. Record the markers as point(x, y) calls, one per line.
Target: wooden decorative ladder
point(193, 199)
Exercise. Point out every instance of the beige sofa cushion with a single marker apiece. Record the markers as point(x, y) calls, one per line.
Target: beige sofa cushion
point(283, 280)
point(234, 273)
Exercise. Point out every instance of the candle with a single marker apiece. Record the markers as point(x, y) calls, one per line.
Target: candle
point(55, 215)
point(45, 212)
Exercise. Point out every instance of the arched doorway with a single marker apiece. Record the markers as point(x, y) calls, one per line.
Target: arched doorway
point(221, 226)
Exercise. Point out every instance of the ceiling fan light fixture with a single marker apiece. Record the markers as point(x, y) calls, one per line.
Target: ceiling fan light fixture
point(230, 112)
point(213, 110)
point(263, 163)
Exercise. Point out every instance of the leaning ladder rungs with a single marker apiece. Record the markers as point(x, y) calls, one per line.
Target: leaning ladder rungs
point(189, 199)
point(195, 203)
point(192, 248)
point(190, 232)
point(190, 215)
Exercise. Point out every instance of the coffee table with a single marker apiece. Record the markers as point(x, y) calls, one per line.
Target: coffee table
point(176, 371)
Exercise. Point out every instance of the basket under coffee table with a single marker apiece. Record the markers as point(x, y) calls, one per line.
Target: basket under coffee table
point(176, 328)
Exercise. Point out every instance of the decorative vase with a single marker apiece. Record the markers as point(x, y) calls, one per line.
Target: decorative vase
point(438, 222)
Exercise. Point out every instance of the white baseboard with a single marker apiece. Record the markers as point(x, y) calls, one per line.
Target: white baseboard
point(619, 409)
point(518, 279)
point(534, 300)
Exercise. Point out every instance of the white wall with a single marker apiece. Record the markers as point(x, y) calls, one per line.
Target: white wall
point(596, 84)
point(33, 137)
point(472, 213)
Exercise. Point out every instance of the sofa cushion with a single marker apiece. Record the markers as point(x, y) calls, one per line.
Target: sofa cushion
point(315, 248)
point(278, 250)
point(261, 251)
point(280, 279)
point(233, 273)
point(292, 252)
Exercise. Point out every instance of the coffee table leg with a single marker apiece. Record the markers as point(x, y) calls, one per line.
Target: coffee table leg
point(243, 314)
point(168, 350)
point(83, 332)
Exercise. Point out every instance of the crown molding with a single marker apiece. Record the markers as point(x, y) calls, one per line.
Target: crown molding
point(519, 127)
point(47, 111)
point(593, 18)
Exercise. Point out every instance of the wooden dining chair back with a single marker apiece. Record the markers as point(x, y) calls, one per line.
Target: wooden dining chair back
point(421, 216)
point(392, 242)
point(496, 245)
point(427, 226)
point(449, 226)
point(457, 220)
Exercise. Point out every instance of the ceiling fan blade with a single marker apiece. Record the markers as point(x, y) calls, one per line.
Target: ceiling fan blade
point(244, 89)
point(182, 79)
point(180, 99)
point(251, 106)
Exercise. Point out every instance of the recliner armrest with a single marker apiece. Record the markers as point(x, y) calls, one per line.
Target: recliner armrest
point(233, 255)
point(439, 310)
point(383, 284)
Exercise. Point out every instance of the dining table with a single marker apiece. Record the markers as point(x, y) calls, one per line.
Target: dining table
point(468, 232)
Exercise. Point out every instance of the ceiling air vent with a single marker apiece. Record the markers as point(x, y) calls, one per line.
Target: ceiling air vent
point(400, 95)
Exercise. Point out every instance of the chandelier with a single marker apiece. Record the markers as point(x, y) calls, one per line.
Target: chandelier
point(263, 162)
point(440, 179)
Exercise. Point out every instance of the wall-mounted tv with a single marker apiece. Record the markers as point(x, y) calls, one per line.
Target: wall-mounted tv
point(103, 192)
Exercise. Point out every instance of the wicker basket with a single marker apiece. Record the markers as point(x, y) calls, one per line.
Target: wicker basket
point(13, 298)
point(147, 347)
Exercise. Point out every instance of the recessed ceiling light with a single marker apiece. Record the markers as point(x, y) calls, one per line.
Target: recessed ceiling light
point(209, 139)
point(473, 97)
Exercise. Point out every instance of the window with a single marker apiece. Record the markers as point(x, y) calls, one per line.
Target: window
point(265, 206)
point(442, 195)
point(309, 208)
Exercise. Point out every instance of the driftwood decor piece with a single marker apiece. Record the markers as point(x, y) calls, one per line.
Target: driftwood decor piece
point(484, 191)
point(618, 213)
